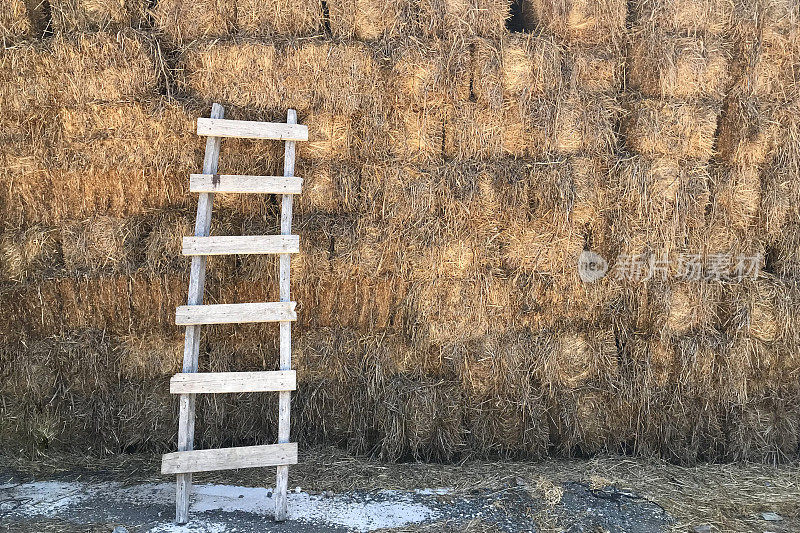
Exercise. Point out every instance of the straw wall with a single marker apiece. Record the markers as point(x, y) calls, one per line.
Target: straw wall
point(456, 171)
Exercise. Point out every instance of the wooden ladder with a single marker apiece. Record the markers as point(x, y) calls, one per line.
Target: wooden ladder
point(189, 383)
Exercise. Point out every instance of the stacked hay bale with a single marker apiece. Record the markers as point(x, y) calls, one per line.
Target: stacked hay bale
point(758, 151)
point(455, 174)
point(183, 21)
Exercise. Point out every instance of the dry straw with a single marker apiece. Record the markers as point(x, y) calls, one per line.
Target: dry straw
point(368, 20)
point(82, 15)
point(674, 66)
point(675, 128)
point(184, 21)
point(515, 69)
point(15, 22)
point(454, 175)
point(302, 75)
point(693, 17)
point(588, 22)
point(77, 69)
point(120, 158)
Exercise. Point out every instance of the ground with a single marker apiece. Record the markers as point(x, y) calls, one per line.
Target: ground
point(338, 492)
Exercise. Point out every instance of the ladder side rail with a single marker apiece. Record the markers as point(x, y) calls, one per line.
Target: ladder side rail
point(284, 398)
point(191, 348)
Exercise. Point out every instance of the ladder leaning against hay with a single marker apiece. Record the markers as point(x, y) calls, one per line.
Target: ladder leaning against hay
point(187, 460)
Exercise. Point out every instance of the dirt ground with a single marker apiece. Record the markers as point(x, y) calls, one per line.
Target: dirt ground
point(338, 492)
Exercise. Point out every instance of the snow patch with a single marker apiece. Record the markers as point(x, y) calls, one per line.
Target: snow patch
point(395, 511)
point(204, 527)
point(43, 498)
point(356, 512)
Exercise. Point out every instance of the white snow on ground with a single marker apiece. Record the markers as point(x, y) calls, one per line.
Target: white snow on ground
point(43, 498)
point(384, 509)
point(393, 510)
point(200, 527)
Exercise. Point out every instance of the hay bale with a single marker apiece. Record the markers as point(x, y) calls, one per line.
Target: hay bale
point(786, 251)
point(27, 252)
point(737, 195)
point(15, 23)
point(331, 136)
point(515, 69)
point(586, 124)
point(428, 73)
point(468, 18)
point(567, 124)
point(98, 244)
point(761, 309)
point(162, 241)
point(765, 18)
point(765, 428)
point(473, 131)
point(578, 20)
point(91, 15)
point(416, 134)
point(307, 76)
point(751, 129)
point(586, 421)
point(676, 66)
point(368, 20)
point(659, 361)
point(329, 187)
point(593, 69)
point(660, 189)
point(454, 310)
point(184, 21)
point(507, 426)
point(589, 182)
point(685, 307)
point(579, 357)
point(674, 128)
point(542, 246)
point(779, 183)
point(266, 18)
point(112, 159)
point(766, 65)
point(147, 357)
point(76, 70)
point(419, 419)
point(692, 17)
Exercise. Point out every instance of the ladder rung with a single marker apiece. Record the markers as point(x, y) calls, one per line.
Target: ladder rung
point(255, 244)
point(244, 184)
point(189, 315)
point(227, 382)
point(229, 458)
point(218, 127)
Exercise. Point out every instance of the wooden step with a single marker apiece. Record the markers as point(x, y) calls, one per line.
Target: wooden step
point(192, 315)
point(249, 244)
point(229, 458)
point(243, 129)
point(231, 183)
point(227, 382)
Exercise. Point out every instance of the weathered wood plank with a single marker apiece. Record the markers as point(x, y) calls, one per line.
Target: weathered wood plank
point(232, 183)
point(284, 398)
point(252, 130)
point(229, 382)
point(247, 244)
point(229, 458)
point(187, 315)
point(191, 350)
